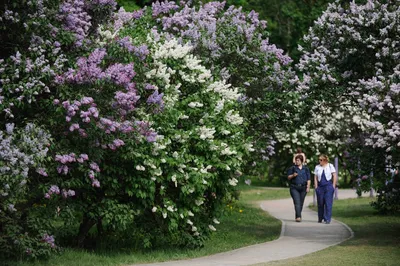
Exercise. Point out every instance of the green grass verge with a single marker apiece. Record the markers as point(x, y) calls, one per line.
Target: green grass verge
point(253, 194)
point(376, 239)
point(243, 224)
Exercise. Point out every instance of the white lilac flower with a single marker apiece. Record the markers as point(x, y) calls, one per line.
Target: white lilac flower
point(195, 104)
point(215, 221)
point(199, 202)
point(212, 228)
point(194, 228)
point(232, 181)
point(164, 214)
point(206, 133)
point(190, 213)
point(234, 119)
point(140, 168)
point(154, 209)
point(225, 132)
point(224, 90)
point(189, 222)
point(170, 208)
point(249, 147)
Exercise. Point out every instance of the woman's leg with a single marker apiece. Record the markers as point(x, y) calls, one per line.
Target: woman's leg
point(329, 202)
point(320, 203)
point(303, 193)
point(296, 201)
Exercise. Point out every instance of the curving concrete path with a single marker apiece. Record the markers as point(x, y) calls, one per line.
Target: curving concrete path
point(296, 239)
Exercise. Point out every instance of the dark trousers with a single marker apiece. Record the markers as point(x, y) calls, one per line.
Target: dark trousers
point(298, 194)
point(325, 202)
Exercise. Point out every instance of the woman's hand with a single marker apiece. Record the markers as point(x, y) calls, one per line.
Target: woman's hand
point(295, 174)
point(308, 189)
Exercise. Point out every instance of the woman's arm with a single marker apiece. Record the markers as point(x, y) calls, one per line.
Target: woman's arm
point(334, 178)
point(290, 177)
point(315, 181)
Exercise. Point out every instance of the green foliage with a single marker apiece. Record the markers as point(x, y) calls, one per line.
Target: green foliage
point(288, 20)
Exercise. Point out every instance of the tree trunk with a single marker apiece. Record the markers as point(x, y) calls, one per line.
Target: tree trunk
point(84, 228)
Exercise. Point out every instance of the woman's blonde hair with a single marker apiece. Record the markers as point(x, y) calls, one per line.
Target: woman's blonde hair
point(324, 156)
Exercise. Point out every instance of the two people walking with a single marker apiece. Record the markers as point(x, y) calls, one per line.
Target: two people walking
point(325, 180)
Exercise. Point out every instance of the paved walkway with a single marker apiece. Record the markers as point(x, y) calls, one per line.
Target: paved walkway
point(296, 239)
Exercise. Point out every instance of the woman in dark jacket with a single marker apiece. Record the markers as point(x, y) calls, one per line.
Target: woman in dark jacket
point(300, 180)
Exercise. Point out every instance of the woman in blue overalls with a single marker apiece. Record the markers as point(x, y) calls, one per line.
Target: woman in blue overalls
point(300, 178)
point(325, 180)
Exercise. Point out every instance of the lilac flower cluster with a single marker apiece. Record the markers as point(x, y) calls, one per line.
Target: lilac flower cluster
point(20, 151)
point(76, 19)
point(126, 101)
point(122, 17)
point(163, 8)
point(156, 98)
point(52, 190)
point(24, 77)
point(74, 107)
point(49, 240)
point(141, 52)
point(121, 74)
point(88, 69)
point(67, 193)
point(145, 130)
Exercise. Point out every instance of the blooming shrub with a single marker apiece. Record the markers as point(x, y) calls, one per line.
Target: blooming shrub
point(336, 45)
point(226, 39)
point(126, 129)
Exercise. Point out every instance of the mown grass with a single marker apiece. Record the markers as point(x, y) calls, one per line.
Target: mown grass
point(376, 239)
point(243, 224)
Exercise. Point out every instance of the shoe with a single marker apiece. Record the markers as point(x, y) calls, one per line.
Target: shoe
point(298, 219)
point(327, 222)
point(319, 221)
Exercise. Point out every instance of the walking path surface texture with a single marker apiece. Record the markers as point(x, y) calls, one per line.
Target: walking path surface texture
point(296, 239)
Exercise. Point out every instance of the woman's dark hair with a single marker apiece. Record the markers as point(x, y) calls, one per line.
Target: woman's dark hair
point(299, 150)
point(300, 157)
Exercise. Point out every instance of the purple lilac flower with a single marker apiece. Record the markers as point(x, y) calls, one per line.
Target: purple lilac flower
point(66, 158)
point(10, 128)
point(94, 166)
point(49, 239)
point(163, 7)
point(54, 190)
point(122, 17)
point(75, 19)
point(126, 100)
point(96, 183)
point(41, 171)
point(121, 74)
point(91, 175)
point(156, 98)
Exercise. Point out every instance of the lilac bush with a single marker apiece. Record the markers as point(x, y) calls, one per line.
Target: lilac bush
point(125, 128)
point(352, 53)
point(226, 38)
point(43, 42)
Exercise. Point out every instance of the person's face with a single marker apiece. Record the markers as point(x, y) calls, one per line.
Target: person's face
point(322, 161)
point(298, 162)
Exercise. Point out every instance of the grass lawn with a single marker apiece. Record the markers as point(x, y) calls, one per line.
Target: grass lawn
point(244, 224)
point(376, 239)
